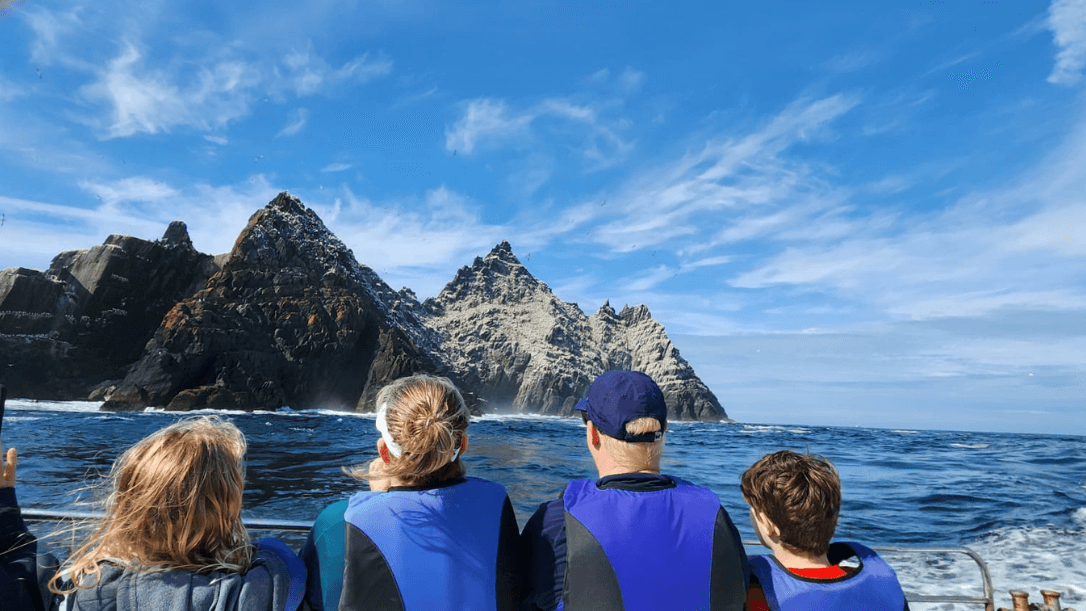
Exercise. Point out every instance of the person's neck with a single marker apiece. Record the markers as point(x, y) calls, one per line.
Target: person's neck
point(620, 470)
point(799, 560)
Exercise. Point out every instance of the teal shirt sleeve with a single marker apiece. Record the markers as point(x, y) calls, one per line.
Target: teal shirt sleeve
point(323, 557)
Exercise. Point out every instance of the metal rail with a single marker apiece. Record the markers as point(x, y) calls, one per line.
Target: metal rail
point(43, 515)
point(988, 600)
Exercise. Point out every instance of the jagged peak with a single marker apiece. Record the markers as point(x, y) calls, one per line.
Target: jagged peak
point(606, 309)
point(285, 202)
point(635, 314)
point(499, 273)
point(177, 234)
point(285, 232)
point(503, 252)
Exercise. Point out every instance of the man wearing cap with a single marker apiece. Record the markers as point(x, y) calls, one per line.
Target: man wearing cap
point(634, 538)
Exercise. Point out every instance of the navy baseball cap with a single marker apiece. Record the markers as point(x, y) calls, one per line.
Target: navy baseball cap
point(617, 397)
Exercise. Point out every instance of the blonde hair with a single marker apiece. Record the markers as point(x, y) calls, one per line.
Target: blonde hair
point(174, 502)
point(640, 455)
point(427, 418)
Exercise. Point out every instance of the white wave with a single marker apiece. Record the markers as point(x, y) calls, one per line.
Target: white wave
point(337, 413)
point(54, 406)
point(970, 446)
point(286, 412)
point(532, 417)
point(904, 432)
point(1080, 516)
point(762, 428)
point(1029, 559)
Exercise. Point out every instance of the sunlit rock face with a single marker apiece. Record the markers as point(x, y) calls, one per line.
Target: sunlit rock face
point(521, 349)
point(291, 320)
point(79, 323)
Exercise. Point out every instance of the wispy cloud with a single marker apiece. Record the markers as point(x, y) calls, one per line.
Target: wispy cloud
point(308, 73)
point(649, 278)
point(488, 123)
point(134, 189)
point(336, 167)
point(153, 84)
point(1067, 20)
point(32, 142)
point(1013, 246)
point(143, 207)
point(679, 198)
point(851, 62)
point(627, 81)
point(297, 121)
point(418, 244)
point(50, 29)
point(150, 100)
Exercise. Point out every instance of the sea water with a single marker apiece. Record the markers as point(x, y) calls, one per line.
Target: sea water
point(1018, 500)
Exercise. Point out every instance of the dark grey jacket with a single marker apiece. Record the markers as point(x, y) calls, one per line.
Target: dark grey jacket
point(276, 580)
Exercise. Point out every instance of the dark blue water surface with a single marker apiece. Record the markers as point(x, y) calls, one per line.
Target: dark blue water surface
point(1020, 500)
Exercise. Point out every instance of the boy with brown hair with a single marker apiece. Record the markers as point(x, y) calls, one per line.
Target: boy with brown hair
point(794, 503)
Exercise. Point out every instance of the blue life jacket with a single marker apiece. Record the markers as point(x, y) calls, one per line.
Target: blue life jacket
point(662, 549)
point(429, 549)
point(872, 587)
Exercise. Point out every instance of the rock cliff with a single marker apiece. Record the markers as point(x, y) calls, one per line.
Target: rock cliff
point(89, 315)
point(523, 349)
point(290, 318)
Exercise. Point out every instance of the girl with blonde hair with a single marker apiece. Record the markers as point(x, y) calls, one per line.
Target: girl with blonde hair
point(424, 536)
point(172, 535)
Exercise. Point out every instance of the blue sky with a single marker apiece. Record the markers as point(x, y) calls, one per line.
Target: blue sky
point(842, 214)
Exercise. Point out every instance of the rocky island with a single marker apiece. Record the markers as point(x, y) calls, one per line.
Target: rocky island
point(290, 318)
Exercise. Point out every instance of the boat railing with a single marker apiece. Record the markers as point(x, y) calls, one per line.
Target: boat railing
point(45, 515)
point(299, 526)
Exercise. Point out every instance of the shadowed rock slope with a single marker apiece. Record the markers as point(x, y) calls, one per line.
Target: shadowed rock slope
point(82, 321)
point(291, 319)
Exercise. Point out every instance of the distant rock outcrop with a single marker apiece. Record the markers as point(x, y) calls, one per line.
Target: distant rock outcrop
point(290, 318)
point(525, 350)
point(90, 314)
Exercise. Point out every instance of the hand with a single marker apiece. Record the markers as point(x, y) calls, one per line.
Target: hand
point(378, 483)
point(7, 467)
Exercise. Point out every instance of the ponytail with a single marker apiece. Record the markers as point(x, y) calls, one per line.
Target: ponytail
point(426, 419)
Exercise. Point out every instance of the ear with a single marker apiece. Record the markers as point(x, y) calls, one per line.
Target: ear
point(594, 435)
point(768, 528)
point(463, 444)
point(382, 449)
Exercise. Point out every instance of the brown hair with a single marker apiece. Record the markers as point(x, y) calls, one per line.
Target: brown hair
point(427, 418)
point(636, 455)
point(800, 494)
point(174, 502)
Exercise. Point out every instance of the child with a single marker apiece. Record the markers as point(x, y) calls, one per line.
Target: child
point(794, 503)
point(424, 536)
point(172, 535)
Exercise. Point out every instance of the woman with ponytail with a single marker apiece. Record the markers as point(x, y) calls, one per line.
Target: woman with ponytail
point(172, 535)
point(424, 536)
